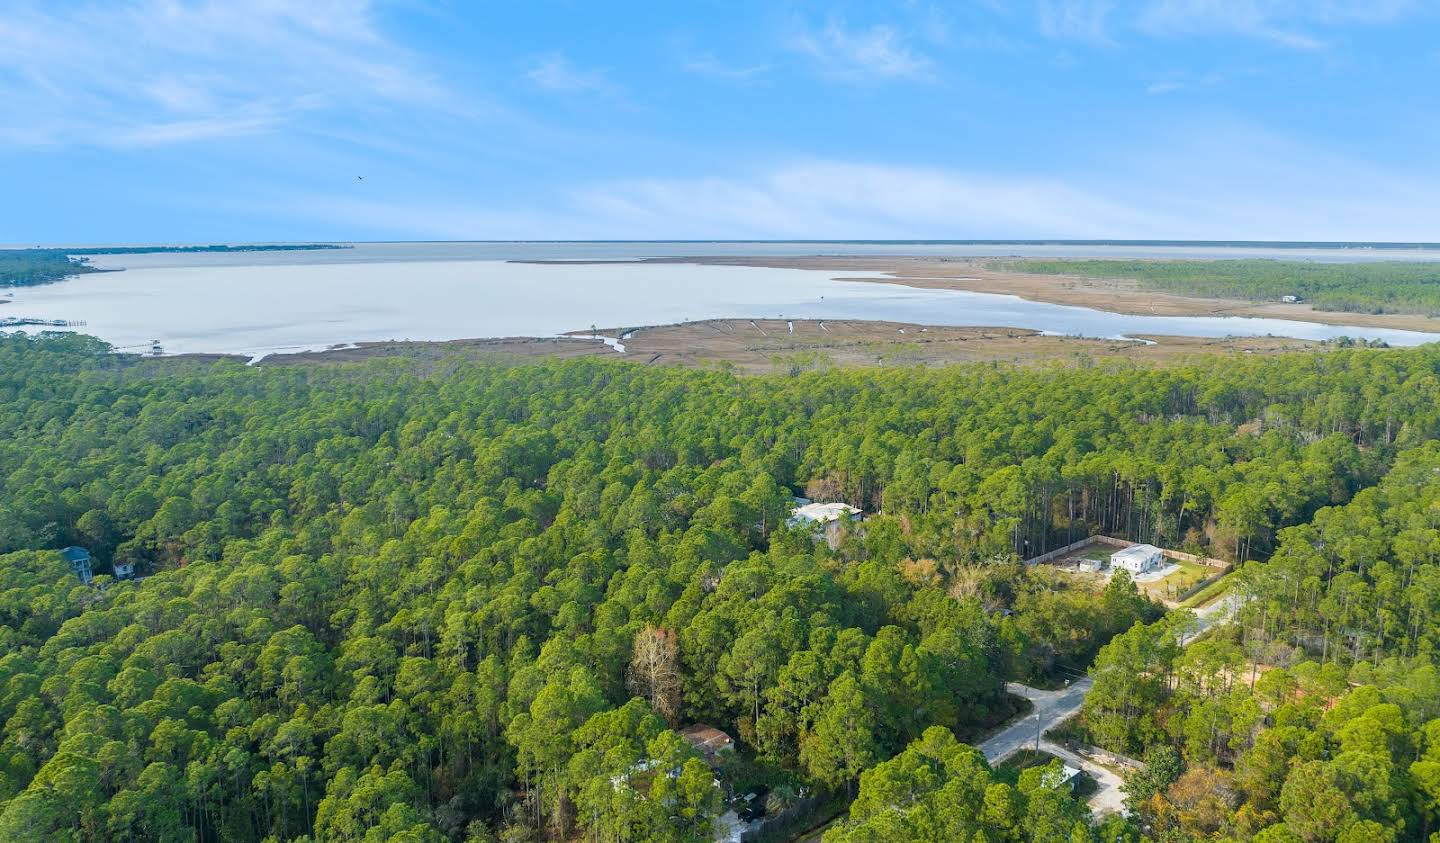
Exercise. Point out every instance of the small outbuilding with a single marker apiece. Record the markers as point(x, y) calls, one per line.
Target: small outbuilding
point(1064, 777)
point(1137, 558)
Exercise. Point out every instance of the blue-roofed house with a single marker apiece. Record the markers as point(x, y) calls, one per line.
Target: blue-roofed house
point(79, 559)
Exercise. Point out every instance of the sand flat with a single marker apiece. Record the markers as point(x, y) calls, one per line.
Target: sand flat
point(1114, 295)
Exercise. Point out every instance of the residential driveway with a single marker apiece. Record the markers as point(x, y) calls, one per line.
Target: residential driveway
point(1217, 612)
point(729, 828)
point(1109, 798)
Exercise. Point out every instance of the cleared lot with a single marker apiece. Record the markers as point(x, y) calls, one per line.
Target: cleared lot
point(1166, 584)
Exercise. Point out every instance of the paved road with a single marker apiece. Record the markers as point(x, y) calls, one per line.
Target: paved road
point(1050, 708)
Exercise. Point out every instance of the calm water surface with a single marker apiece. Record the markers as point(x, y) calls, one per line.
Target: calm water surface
point(265, 302)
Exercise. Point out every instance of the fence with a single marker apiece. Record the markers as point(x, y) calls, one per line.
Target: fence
point(773, 827)
point(1181, 556)
point(1106, 758)
point(1060, 551)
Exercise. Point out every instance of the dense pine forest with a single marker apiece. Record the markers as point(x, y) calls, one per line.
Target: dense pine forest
point(476, 602)
point(1378, 287)
point(1317, 716)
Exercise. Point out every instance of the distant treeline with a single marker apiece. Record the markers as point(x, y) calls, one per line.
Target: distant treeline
point(149, 250)
point(1382, 287)
point(29, 267)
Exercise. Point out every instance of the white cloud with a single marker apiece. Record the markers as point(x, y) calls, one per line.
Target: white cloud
point(875, 53)
point(855, 200)
point(150, 72)
point(1286, 23)
point(183, 131)
point(1078, 20)
point(554, 72)
point(707, 64)
point(1201, 181)
point(815, 199)
point(1197, 182)
point(1260, 15)
point(1176, 82)
point(1262, 19)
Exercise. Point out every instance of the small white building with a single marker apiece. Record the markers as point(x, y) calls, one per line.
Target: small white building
point(1137, 559)
point(1064, 777)
point(1290, 299)
point(1092, 566)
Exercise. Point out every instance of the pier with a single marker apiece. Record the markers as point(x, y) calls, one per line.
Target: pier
point(26, 322)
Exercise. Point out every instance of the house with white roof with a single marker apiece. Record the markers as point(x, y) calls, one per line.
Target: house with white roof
point(806, 512)
point(1137, 558)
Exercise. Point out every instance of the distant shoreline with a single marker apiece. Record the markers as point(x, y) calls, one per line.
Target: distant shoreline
point(759, 346)
point(977, 275)
point(33, 267)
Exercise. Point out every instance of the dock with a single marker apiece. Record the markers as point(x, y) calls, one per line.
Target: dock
point(25, 321)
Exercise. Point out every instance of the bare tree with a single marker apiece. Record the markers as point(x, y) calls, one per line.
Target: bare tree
point(655, 671)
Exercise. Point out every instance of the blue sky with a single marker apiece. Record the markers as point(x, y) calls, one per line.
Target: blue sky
point(168, 120)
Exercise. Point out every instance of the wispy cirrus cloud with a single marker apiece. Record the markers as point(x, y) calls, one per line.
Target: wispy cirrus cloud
point(861, 200)
point(868, 54)
point(1294, 24)
point(1208, 180)
point(1078, 20)
point(157, 72)
point(799, 200)
point(556, 73)
point(707, 64)
point(1259, 19)
point(1176, 82)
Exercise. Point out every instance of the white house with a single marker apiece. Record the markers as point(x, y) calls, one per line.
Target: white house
point(820, 513)
point(1137, 559)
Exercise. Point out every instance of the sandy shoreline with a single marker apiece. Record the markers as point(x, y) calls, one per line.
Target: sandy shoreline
point(1112, 295)
point(776, 345)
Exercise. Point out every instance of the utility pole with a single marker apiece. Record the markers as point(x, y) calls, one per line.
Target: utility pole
point(1037, 731)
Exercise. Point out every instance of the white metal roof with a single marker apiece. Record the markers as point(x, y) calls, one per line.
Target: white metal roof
point(1137, 551)
point(822, 513)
